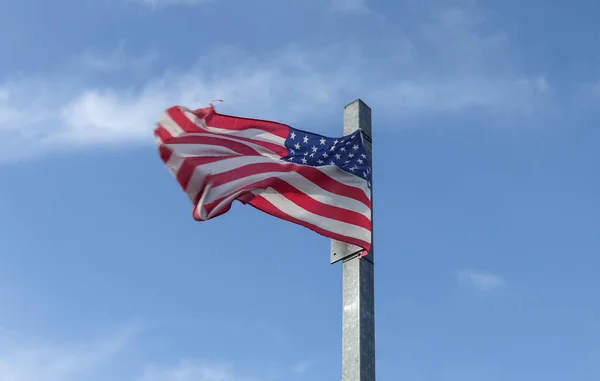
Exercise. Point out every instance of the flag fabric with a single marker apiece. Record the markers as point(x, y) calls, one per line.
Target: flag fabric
point(315, 181)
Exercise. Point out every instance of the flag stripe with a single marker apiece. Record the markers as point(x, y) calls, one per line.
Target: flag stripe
point(232, 170)
point(236, 123)
point(292, 206)
point(218, 159)
point(186, 170)
point(199, 138)
point(233, 178)
point(296, 191)
point(267, 206)
point(255, 133)
point(192, 126)
point(314, 175)
point(292, 209)
point(162, 133)
point(237, 147)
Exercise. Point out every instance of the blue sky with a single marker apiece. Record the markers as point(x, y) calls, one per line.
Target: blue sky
point(485, 118)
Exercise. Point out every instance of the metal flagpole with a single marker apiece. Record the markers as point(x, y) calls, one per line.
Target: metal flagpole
point(358, 319)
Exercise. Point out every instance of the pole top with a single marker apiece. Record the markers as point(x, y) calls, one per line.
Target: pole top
point(357, 116)
point(360, 103)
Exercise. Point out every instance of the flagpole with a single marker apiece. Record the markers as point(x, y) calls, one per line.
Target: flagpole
point(358, 296)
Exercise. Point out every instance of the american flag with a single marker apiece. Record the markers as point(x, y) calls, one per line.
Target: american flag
point(315, 181)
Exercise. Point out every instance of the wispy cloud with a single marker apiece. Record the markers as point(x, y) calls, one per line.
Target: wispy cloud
point(350, 6)
point(189, 370)
point(94, 359)
point(465, 68)
point(164, 3)
point(117, 59)
point(301, 367)
point(483, 282)
point(33, 361)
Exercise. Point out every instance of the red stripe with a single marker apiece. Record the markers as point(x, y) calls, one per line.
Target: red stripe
point(297, 197)
point(189, 164)
point(316, 207)
point(310, 173)
point(221, 211)
point(237, 147)
point(273, 147)
point(165, 153)
point(162, 133)
point(229, 122)
point(190, 127)
point(262, 204)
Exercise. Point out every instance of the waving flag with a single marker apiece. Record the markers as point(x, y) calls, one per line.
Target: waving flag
point(315, 181)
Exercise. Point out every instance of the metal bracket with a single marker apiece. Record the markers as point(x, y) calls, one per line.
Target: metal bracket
point(341, 251)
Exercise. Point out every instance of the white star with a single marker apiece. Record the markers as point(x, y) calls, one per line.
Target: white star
point(305, 153)
point(335, 142)
point(293, 152)
point(322, 141)
point(320, 161)
point(352, 168)
point(355, 147)
point(305, 139)
point(332, 147)
point(343, 149)
point(291, 159)
point(348, 142)
point(314, 148)
point(363, 155)
point(347, 161)
point(292, 136)
point(338, 156)
point(351, 155)
point(304, 160)
point(359, 161)
point(331, 162)
point(325, 155)
point(364, 174)
point(297, 145)
point(312, 154)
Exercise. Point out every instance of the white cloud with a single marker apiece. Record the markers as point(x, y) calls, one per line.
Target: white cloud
point(117, 59)
point(483, 282)
point(163, 3)
point(102, 359)
point(33, 361)
point(301, 367)
point(464, 69)
point(188, 370)
point(350, 6)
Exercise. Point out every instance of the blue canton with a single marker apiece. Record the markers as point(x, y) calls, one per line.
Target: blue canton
point(347, 153)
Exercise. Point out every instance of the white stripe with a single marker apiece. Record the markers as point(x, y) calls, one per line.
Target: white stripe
point(169, 124)
point(226, 201)
point(174, 164)
point(346, 178)
point(293, 210)
point(228, 164)
point(197, 179)
point(201, 150)
point(298, 181)
point(221, 166)
point(257, 147)
point(183, 151)
point(252, 133)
